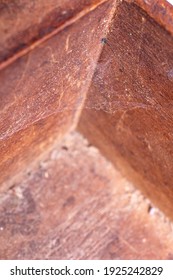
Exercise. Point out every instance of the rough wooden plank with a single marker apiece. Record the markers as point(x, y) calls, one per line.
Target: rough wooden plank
point(23, 23)
point(56, 212)
point(75, 205)
point(159, 10)
point(129, 108)
point(42, 93)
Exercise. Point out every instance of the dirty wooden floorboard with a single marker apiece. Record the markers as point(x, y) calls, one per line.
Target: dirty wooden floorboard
point(75, 205)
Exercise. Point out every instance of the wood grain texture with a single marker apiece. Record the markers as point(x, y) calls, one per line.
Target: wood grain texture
point(23, 23)
point(129, 108)
point(42, 93)
point(75, 205)
point(160, 10)
point(71, 203)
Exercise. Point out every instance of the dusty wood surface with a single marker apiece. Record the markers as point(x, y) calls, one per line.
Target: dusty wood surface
point(129, 106)
point(42, 93)
point(23, 23)
point(160, 10)
point(43, 88)
point(75, 205)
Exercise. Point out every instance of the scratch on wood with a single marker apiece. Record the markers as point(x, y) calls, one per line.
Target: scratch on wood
point(53, 60)
point(129, 245)
point(67, 43)
point(61, 94)
point(120, 121)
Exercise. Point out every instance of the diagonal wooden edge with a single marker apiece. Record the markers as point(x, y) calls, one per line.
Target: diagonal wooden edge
point(16, 55)
point(63, 100)
point(145, 56)
point(160, 10)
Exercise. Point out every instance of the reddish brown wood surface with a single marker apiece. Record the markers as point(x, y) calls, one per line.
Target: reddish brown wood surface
point(26, 23)
point(129, 106)
point(72, 204)
point(75, 205)
point(42, 92)
point(160, 10)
